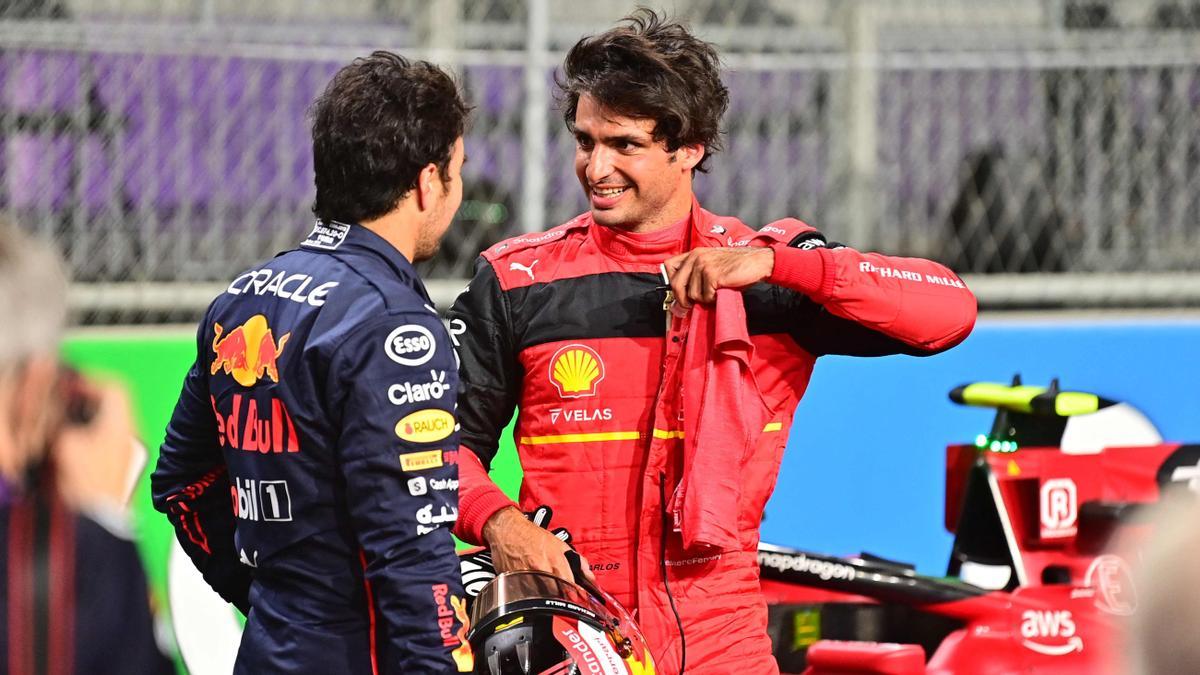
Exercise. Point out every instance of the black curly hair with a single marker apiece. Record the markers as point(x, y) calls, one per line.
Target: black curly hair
point(650, 67)
point(379, 122)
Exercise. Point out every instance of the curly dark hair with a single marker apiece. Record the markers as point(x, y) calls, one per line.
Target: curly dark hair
point(379, 122)
point(652, 68)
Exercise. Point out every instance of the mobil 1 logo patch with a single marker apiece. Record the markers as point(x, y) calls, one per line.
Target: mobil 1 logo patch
point(1181, 468)
point(261, 500)
point(410, 345)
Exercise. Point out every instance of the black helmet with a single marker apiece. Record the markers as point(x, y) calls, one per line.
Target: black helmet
point(527, 623)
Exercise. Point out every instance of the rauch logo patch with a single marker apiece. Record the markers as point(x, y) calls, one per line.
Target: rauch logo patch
point(425, 426)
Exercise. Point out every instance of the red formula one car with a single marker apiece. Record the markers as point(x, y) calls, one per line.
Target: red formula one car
point(1032, 586)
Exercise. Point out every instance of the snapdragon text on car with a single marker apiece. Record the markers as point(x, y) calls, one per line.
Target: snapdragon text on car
point(801, 563)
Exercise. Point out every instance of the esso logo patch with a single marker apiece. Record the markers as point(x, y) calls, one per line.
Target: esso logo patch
point(410, 345)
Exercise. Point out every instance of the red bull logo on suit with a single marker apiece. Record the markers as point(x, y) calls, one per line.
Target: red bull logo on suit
point(248, 352)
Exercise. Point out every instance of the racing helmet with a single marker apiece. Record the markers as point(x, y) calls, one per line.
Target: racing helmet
point(533, 623)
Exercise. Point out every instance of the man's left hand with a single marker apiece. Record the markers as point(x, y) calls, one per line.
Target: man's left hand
point(698, 274)
point(95, 460)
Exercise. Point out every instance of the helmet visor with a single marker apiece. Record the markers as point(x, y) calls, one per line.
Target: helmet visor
point(515, 592)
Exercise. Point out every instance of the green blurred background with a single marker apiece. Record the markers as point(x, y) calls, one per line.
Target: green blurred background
point(152, 363)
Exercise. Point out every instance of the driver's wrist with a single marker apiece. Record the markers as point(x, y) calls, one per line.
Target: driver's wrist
point(802, 270)
point(499, 523)
point(769, 260)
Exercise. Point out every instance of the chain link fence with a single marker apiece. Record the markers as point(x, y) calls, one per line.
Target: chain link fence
point(1049, 150)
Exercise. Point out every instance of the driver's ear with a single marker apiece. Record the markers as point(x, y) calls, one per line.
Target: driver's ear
point(688, 156)
point(427, 181)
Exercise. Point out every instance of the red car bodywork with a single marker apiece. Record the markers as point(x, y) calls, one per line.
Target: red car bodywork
point(1054, 515)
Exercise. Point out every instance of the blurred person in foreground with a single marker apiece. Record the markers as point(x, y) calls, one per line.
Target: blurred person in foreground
point(653, 415)
point(75, 598)
point(1167, 581)
point(309, 468)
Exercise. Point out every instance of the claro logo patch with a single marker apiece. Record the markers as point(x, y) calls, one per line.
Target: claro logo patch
point(410, 345)
point(425, 426)
point(575, 370)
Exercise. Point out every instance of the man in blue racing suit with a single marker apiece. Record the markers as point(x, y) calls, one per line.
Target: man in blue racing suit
point(310, 468)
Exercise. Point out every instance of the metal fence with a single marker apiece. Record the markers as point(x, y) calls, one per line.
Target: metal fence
point(1050, 151)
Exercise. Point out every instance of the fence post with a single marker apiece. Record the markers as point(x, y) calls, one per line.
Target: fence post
point(861, 98)
point(445, 19)
point(534, 119)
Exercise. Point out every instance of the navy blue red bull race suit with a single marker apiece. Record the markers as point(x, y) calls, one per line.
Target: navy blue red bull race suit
point(310, 467)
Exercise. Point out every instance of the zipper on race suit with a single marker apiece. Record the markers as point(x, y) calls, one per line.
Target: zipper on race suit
point(662, 495)
point(671, 313)
point(669, 298)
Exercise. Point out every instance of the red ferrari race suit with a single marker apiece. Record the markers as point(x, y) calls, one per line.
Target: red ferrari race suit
point(569, 326)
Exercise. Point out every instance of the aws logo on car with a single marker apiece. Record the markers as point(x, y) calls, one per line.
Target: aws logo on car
point(425, 426)
point(575, 370)
point(1050, 632)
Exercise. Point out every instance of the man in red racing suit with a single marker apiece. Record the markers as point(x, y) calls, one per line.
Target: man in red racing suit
point(576, 328)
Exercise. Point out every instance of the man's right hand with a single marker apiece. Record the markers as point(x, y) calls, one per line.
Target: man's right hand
point(519, 544)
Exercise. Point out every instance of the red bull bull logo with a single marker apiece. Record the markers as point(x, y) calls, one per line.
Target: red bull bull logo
point(248, 352)
point(463, 657)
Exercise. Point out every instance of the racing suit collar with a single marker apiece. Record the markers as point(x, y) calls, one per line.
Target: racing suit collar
point(358, 239)
point(695, 229)
point(650, 247)
point(700, 228)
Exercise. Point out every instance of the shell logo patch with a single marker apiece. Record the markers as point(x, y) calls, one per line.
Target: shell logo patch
point(575, 370)
point(425, 426)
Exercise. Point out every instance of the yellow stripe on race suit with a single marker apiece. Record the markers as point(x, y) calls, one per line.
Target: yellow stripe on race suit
point(599, 436)
point(678, 433)
point(582, 438)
